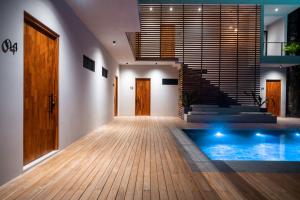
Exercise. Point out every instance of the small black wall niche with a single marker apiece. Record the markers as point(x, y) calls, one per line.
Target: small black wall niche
point(104, 72)
point(169, 81)
point(88, 63)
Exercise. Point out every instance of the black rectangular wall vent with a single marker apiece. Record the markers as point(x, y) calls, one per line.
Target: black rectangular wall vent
point(104, 72)
point(88, 63)
point(169, 81)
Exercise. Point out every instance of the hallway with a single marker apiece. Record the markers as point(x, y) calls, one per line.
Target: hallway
point(137, 158)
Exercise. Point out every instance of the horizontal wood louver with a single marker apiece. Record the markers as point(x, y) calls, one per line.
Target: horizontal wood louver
point(219, 44)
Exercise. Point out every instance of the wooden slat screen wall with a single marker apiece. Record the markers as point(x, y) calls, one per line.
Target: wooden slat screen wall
point(220, 42)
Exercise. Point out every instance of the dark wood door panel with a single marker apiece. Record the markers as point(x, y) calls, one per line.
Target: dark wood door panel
point(116, 96)
point(167, 41)
point(40, 92)
point(142, 97)
point(273, 94)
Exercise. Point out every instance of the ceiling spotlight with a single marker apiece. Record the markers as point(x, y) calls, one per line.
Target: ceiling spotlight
point(150, 8)
point(114, 43)
point(276, 9)
point(235, 30)
point(199, 9)
point(171, 9)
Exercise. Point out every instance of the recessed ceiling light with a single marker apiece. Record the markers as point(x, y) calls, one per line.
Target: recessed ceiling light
point(150, 8)
point(199, 9)
point(114, 43)
point(171, 9)
point(235, 30)
point(276, 9)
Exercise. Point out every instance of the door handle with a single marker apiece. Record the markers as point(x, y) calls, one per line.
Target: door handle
point(51, 103)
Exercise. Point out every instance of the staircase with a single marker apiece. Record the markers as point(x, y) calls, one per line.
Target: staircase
point(203, 91)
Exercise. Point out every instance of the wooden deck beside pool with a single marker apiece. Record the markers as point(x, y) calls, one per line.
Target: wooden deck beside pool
point(138, 158)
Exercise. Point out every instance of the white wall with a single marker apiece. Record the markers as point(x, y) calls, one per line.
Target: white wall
point(164, 98)
point(86, 98)
point(276, 33)
point(268, 73)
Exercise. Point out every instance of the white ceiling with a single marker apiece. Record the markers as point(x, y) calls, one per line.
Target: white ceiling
point(270, 15)
point(109, 20)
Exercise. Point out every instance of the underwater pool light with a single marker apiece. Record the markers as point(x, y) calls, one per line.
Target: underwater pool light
point(297, 134)
point(258, 134)
point(219, 134)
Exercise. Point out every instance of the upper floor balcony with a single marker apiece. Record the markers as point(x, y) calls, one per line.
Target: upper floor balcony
point(281, 38)
point(281, 49)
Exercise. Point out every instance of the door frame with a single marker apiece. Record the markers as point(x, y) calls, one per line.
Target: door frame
point(275, 80)
point(136, 94)
point(116, 96)
point(30, 20)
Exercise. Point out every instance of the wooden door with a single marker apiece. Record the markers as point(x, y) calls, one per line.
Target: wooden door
point(273, 95)
point(116, 96)
point(167, 41)
point(142, 96)
point(40, 90)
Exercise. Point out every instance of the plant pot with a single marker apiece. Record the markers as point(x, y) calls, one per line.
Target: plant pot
point(186, 109)
point(263, 110)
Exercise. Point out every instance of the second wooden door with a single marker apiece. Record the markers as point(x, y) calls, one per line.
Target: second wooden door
point(116, 96)
point(142, 96)
point(273, 95)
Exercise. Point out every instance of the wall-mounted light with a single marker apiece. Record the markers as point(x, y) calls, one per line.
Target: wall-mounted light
point(150, 9)
point(276, 9)
point(114, 43)
point(171, 9)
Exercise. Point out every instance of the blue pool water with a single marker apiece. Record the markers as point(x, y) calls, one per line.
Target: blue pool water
point(248, 145)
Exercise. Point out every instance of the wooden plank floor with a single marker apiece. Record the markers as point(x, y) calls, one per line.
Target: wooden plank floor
point(137, 158)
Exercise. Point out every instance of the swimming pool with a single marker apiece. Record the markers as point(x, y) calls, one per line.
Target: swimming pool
point(263, 145)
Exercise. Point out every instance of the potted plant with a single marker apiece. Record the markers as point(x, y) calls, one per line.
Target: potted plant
point(292, 48)
point(258, 101)
point(187, 100)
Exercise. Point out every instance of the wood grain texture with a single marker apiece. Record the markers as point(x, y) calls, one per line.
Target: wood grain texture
point(138, 158)
point(142, 96)
point(273, 94)
point(167, 41)
point(40, 82)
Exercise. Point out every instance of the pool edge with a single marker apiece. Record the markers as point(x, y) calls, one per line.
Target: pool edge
point(199, 162)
